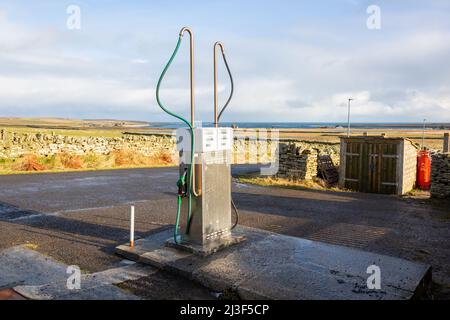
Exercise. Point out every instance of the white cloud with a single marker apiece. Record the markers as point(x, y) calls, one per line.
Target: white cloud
point(54, 91)
point(139, 61)
point(402, 77)
point(19, 37)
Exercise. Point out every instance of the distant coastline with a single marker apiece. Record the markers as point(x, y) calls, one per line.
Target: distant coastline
point(117, 124)
point(309, 125)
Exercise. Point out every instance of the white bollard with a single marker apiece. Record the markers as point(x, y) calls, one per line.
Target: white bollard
point(132, 227)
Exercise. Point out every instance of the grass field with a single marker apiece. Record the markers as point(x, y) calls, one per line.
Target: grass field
point(69, 123)
point(117, 128)
point(79, 132)
point(69, 127)
point(433, 139)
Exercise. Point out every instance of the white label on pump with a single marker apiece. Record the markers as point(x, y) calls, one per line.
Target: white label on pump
point(224, 139)
point(206, 139)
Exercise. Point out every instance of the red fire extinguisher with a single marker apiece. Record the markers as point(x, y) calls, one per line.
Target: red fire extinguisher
point(423, 169)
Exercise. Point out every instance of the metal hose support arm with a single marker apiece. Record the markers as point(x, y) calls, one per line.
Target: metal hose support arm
point(217, 117)
point(232, 86)
point(161, 105)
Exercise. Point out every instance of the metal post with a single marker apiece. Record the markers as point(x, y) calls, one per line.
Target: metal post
point(217, 44)
point(446, 147)
point(348, 118)
point(191, 60)
point(132, 227)
point(423, 132)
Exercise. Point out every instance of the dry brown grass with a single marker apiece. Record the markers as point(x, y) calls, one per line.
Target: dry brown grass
point(316, 183)
point(67, 161)
point(126, 157)
point(29, 162)
point(162, 158)
point(71, 161)
point(121, 157)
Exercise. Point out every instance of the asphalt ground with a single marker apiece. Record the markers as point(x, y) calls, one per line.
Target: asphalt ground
point(79, 217)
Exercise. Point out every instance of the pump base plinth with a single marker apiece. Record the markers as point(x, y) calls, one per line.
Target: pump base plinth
point(273, 266)
point(208, 248)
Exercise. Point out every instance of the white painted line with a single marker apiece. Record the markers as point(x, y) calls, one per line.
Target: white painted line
point(132, 227)
point(26, 217)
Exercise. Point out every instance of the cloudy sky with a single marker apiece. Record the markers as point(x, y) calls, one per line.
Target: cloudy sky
point(292, 60)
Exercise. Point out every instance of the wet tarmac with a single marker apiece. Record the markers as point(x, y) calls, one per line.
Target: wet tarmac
point(78, 218)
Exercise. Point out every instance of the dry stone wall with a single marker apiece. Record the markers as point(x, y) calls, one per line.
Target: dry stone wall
point(440, 175)
point(16, 144)
point(297, 161)
point(322, 148)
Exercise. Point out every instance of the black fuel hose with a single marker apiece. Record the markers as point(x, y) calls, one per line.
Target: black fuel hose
point(236, 213)
point(232, 87)
point(218, 118)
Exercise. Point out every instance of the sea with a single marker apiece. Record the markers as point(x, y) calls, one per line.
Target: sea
point(308, 125)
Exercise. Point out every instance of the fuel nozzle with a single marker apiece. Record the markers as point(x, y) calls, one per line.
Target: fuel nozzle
point(181, 184)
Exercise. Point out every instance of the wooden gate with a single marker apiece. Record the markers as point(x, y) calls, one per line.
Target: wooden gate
point(371, 165)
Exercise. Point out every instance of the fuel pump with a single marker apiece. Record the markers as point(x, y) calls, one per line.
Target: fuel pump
point(203, 222)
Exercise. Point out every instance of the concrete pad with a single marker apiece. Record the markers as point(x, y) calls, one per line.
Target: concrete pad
point(19, 265)
point(38, 277)
point(273, 266)
point(95, 286)
point(206, 250)
point(60, 292)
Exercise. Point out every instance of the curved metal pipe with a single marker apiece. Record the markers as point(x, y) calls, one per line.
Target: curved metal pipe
point(216, 118)
point(216, 114)
point(191, 45)
point(191, 69)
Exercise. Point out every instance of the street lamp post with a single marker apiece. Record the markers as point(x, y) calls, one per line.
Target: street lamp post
point(423, 132)
point(348, 117)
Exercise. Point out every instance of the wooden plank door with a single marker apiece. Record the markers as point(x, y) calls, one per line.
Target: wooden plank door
point(364, 187)
point(389, 159)
point(353, 165)
point(374, 167)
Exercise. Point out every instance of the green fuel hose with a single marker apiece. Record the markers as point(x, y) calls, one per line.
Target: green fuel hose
point(179, 201)
point(177, 221)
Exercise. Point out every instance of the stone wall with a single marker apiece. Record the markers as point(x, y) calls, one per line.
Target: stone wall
point(296, 163)
point(247, 150)
point(408, 168)
point(14, 145)
point(440, 175)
